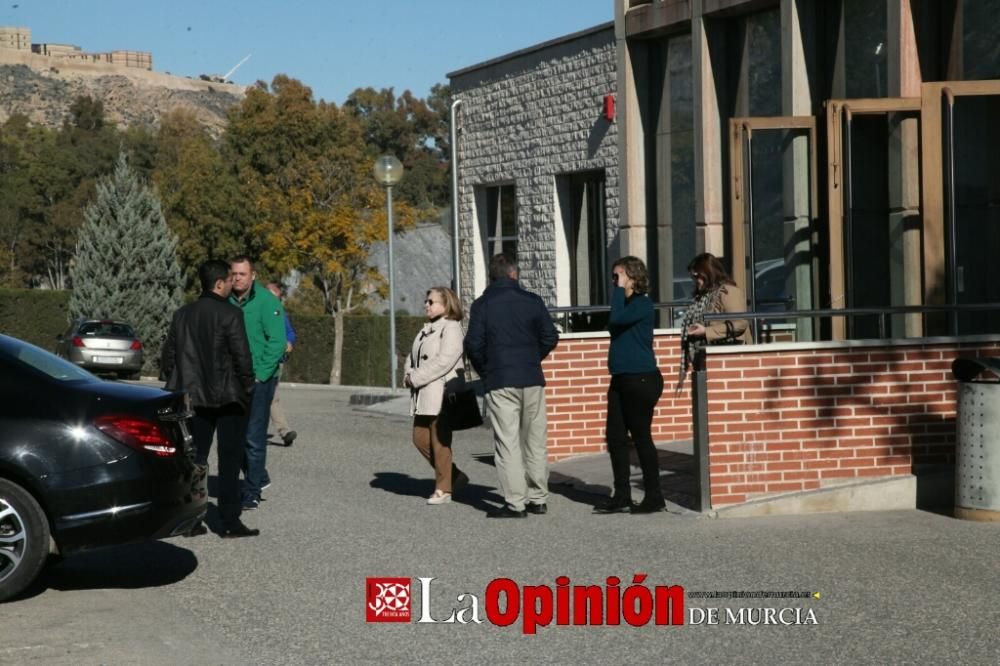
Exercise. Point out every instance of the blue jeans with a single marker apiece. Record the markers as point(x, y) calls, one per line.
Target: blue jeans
point(255, 469)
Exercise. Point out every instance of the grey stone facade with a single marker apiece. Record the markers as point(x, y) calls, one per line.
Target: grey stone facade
point(527, 119)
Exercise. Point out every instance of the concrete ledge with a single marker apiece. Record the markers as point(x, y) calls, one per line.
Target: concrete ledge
point(898, 492)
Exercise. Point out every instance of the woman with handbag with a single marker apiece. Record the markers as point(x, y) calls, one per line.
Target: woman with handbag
point(636, 386)
point(714, 293)
point(435, 360)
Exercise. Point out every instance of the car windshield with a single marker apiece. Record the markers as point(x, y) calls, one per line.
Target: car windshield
point(106, 329)
point(44, 362)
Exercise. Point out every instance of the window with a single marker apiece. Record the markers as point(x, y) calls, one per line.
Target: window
point(670, 167)
point(24, 355)
point(106, 329)
point(501, 220)
point(585, 220)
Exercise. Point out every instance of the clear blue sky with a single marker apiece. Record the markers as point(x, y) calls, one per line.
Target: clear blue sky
point(334, 46)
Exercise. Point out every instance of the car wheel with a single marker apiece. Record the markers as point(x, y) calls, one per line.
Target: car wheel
point(24, 539)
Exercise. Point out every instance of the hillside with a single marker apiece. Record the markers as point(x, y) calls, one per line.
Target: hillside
point(43, 88)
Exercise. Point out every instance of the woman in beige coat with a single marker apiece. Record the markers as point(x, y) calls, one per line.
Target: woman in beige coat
point(435, 359)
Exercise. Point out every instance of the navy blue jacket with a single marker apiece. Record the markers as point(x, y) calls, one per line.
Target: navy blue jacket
point(510, 332)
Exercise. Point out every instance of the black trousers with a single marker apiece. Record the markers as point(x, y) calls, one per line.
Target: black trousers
point(631, 401)
point(230, 424)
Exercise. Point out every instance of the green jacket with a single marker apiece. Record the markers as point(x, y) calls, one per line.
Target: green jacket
point(265, 322)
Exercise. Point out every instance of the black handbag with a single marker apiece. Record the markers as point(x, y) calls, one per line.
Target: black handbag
point(460, 405)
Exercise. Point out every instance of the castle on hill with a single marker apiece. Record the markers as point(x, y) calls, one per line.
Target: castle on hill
point(19, 39)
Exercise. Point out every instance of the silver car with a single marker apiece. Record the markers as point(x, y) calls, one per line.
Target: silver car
point(102, 346)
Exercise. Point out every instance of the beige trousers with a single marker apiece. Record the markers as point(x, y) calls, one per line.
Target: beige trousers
point(520, 425)
point(278, 419)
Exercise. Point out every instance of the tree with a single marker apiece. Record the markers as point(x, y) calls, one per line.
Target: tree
point(317, 207)
point(416, 131)
point(17, 199)
point(200, 193)
point(63, 169)
point(125, 266)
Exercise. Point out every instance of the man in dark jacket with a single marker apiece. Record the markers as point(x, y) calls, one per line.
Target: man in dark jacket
point(207, 355)
point(510, 332)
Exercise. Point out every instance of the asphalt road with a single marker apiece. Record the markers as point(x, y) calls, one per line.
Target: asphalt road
point(348, 503)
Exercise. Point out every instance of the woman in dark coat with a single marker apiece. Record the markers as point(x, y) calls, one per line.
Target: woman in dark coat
point(636, 386)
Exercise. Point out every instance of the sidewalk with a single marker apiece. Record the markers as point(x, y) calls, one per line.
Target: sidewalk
point(589, 474)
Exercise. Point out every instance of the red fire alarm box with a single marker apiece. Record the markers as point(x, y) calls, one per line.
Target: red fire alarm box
point(609, 107)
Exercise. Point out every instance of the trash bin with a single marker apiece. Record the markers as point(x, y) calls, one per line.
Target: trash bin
point(977, 460)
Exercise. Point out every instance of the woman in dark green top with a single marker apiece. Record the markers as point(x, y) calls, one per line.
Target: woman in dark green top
point(636, 386)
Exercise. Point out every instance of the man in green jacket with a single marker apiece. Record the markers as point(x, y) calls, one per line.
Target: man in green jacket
point(264, 317)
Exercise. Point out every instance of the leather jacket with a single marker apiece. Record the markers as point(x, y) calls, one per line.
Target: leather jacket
point(206, 354)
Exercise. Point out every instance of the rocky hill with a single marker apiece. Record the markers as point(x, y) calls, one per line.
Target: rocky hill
point(43, 88)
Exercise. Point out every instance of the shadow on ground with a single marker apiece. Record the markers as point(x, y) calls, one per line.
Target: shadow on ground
point(475, 495)
point(131, 567)
point(587, 479)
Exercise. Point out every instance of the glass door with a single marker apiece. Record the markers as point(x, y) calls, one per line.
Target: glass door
point(774, 209)
point(961, 185)
point(873, 188)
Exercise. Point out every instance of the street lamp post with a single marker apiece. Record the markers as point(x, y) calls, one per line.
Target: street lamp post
point(388, 171)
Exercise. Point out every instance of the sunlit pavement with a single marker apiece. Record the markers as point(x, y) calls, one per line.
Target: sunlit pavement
point(348, 503)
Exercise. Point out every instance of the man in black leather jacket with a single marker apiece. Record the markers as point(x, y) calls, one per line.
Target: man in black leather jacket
point(206, 354)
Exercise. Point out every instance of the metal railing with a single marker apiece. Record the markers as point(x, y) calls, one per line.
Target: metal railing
point(882, 315)
point(575, 319)
point(585, 318)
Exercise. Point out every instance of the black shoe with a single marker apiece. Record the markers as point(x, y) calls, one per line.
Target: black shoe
point(289, 437)
point(649, 506)
point(238, 530)
point(614, 505)
point(197, 530)
point(537, 509)
point(250, 503)
point(459, 481)
point(506, 512)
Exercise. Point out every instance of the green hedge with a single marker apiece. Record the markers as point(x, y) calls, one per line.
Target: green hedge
point(35, 315)
point(366, 344)
point(38, 316)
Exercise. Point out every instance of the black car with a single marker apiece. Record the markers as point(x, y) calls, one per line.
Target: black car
point(86, 463)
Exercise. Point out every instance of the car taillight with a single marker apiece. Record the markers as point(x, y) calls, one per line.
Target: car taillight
point(77, 341)
point(136, 345)
point(137, 433)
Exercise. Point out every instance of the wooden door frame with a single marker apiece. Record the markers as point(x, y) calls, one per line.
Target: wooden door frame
point(932, 180)
point(836, 109)
point(743, 127)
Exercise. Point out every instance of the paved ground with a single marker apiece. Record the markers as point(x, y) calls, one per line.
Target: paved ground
point(896, 587)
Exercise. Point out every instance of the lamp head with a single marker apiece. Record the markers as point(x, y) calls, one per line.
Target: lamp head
point(388, 170)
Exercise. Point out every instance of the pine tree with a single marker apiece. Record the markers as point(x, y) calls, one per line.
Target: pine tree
point(125, 265)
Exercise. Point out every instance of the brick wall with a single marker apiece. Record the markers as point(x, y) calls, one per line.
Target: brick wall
point(576, 376)
point(782, 418)
point(788, 421)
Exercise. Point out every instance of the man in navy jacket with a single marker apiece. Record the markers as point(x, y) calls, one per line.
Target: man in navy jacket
point(510, 332)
